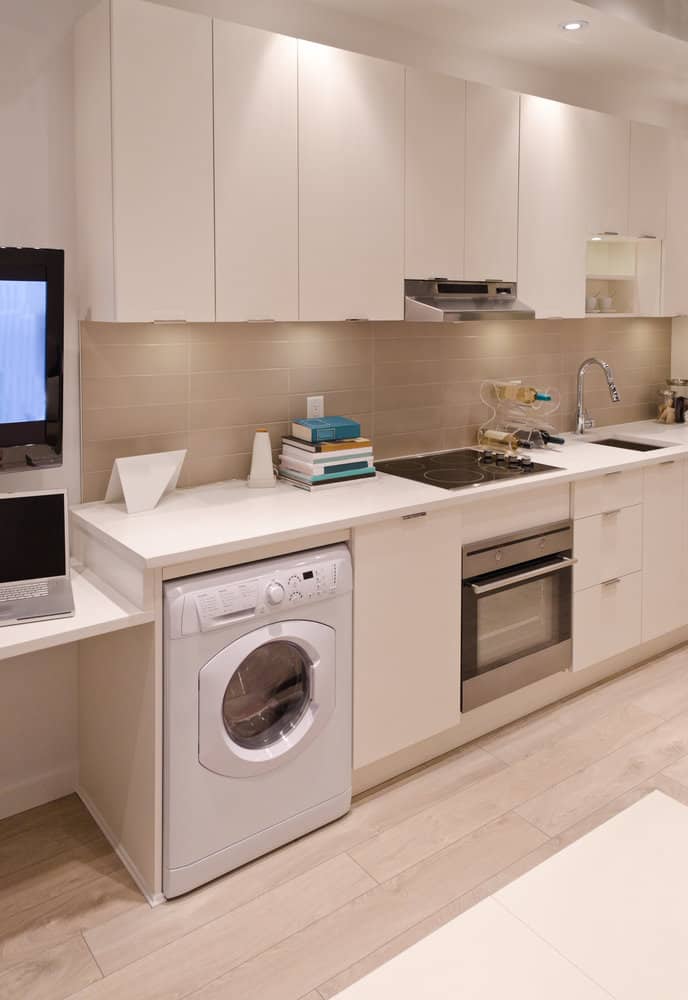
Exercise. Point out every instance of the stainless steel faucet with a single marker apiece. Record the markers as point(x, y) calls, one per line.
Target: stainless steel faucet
point(583, 419)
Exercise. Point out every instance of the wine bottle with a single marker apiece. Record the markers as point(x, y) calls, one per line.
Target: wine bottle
point(519, 393)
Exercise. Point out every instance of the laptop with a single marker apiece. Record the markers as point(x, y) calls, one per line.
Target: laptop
point(34, 557)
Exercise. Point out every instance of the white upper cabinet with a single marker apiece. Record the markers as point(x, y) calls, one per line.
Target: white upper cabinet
point(256, 174)
point(146, 207)
point(649, 180)
point(162, 132)
point(605, 148)
point(675, 258)
point(553, 214)
point(435, 175)
point(492, 152)
point(351, 185)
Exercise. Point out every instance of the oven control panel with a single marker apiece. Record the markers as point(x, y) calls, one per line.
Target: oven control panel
point(279, 585)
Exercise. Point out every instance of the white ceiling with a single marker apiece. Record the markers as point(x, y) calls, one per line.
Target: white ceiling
point(618, 64)
point(613, 49)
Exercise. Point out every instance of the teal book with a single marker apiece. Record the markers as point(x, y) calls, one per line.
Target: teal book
point(326, 429)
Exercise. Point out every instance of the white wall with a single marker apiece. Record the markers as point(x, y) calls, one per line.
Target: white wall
point(38, 693)
point(37, 208)
point(38, 728)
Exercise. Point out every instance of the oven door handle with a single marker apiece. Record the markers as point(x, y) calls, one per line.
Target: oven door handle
point(531, 574)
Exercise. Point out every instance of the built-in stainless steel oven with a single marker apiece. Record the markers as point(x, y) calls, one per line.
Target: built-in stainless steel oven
point(516, 611)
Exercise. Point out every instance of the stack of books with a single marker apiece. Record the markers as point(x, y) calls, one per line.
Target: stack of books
point(327, 451)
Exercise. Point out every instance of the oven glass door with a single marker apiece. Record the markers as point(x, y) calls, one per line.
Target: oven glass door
point(507, 617)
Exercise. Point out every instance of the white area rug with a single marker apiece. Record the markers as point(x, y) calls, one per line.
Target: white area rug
point(606, 917)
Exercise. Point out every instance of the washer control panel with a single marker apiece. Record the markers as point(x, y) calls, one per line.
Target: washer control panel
point(302, 582)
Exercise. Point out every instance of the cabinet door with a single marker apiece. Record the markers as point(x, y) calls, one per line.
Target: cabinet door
point(665, 607)
point(256, 174)
point(675, 256)
point(606, 620)
point(407, 593)
point(435, 158)
point(649, 180)
point(351, 186)
point(607, 546)
point(162, 132)
point(605, 142)
point(552, 208)
point(492, 141)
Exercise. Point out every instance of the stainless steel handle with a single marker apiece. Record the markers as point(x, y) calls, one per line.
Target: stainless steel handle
point(611, 513)
point(411, 517)
point(670, 462)
point(612, 583)
point(607, 475)
point(530, 574)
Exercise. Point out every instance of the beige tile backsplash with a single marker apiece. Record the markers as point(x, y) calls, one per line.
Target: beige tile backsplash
point(414, 387)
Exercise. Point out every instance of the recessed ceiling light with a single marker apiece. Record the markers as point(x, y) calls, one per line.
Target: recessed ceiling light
point(574, 25)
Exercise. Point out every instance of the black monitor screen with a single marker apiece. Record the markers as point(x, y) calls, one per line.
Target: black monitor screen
point(32, 537)
point(22, 351)
point(31, 347)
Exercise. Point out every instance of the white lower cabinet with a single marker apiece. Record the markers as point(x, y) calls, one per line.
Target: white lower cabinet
point(607, 546)
point(407, 593)
point(665, 604)
point(606, 620)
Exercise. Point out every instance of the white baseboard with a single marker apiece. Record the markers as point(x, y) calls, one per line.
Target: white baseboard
point(154, 899)
point(38, 790)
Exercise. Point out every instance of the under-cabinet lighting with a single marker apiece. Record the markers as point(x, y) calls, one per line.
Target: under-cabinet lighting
point(574, 25)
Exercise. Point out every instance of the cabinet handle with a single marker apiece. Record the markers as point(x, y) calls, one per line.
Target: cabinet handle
point(607, 475)
point(668, 462)
point(611, 513)
point(356, 319)
point(410, 517)
point(612, 583)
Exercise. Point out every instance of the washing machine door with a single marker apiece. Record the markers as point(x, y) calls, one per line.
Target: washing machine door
point(265, 697)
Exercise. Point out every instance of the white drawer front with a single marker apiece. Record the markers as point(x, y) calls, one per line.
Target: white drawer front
point(607, 545)
point(608, 492)
point(606, 620)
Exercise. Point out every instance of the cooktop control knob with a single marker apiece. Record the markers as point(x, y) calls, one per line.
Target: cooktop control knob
point(500, 458)
point(487, 456)
point(275, 593)
point(513, 461)
point(527, 463)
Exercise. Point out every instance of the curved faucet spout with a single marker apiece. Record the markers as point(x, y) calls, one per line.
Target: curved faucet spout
point(583, 420)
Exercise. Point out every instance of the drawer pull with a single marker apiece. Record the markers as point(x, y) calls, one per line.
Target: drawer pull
point(612, 583)
point(668, 462)
point(608, 475)
point(410, 517)
point(611, 513)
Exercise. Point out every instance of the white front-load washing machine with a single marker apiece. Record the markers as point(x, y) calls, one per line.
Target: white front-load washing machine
point(257, 710)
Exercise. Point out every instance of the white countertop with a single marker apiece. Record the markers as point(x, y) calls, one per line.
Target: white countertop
point(228, 517)
point(97, 610)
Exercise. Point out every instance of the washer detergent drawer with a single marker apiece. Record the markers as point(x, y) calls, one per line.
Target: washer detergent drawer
point(265, 696)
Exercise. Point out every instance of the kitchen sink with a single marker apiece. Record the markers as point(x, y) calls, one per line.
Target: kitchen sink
point(628, 445)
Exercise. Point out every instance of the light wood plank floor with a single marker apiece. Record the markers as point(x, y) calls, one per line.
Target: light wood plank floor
point(308, 920)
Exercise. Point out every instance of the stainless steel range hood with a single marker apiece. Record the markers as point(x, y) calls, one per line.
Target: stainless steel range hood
point(440, 300)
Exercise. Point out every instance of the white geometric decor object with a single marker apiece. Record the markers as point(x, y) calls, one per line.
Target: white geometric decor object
point(141, 480)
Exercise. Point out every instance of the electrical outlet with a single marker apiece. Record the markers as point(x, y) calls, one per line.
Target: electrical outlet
point(315, 407)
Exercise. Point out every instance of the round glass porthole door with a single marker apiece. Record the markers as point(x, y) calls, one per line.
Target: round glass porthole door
point(267, 695)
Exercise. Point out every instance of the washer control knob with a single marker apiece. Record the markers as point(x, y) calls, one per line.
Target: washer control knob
point(275, 593)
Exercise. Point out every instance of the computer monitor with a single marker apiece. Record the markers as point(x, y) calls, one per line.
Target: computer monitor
point(34, 542)
point(31, 347)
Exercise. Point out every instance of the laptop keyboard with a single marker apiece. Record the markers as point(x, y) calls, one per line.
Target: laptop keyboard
point(23, 591)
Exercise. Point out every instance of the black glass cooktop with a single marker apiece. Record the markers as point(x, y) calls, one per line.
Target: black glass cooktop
point(456, 470)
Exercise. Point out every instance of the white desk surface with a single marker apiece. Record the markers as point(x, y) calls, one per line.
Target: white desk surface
point(98, 610)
